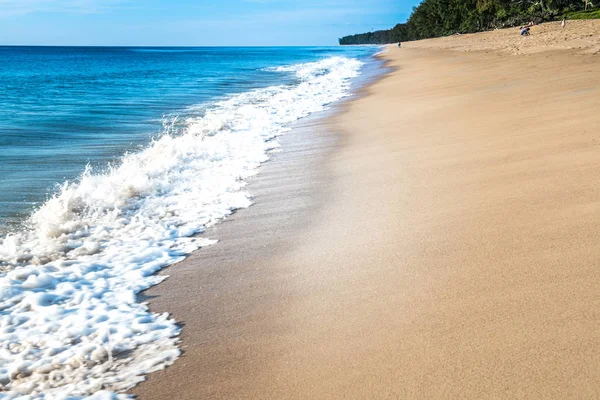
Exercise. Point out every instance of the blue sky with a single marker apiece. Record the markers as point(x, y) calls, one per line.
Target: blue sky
point(194, 22)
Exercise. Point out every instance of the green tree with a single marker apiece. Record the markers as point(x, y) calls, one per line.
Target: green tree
point(434, 18)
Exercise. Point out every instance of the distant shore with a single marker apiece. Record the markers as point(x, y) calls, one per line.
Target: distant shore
point(443, 239)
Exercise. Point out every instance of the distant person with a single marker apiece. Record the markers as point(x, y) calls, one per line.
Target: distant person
point(525, 31)
point(563, 23)
point(529, 25)
point(399, 44)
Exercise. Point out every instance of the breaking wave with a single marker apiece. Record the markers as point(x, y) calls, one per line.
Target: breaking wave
point(70, 325)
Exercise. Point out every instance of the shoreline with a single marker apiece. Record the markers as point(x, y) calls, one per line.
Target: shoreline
point(284, 193)
point(450, 251)
point(273, 190)
point(293, 170)
point(74, 271)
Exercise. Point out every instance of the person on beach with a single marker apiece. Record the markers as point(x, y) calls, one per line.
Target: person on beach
point(529, 25)
point(525, 31)
point(564, 23)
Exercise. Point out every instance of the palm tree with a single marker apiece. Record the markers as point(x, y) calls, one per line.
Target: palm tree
point(588, 3)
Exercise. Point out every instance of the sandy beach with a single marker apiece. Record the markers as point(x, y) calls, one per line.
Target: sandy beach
point(438, 239)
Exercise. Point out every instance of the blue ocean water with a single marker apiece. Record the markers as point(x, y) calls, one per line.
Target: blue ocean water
point(114, 163)
point(65, 107)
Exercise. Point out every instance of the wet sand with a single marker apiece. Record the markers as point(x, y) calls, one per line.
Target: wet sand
point(439, 239)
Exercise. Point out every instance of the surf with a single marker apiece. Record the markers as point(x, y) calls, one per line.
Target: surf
point(70, 323)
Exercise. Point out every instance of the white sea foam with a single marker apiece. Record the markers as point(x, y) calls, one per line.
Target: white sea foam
point(70, 325)
point(382, 50)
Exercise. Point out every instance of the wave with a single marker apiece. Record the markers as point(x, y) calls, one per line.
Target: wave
point(69, 321)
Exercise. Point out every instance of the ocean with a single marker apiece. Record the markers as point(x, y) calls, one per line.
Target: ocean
point(114, 161)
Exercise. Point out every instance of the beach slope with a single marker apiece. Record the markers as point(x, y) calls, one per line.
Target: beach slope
point(444, 243)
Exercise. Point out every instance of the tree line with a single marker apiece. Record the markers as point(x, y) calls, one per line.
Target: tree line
point(435, 18)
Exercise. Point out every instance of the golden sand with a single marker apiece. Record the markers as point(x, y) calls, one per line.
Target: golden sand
point(579, 37)
point(448, 247)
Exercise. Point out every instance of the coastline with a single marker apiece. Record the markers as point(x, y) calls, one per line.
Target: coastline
point(220, 290)
point(71, 316)
point(444, 246)
point(286, 193)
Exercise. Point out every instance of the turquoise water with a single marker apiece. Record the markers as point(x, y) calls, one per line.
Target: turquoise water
point(114, 163)
point(65, 107)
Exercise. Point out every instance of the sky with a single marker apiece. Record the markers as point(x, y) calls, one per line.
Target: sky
point(194, 22)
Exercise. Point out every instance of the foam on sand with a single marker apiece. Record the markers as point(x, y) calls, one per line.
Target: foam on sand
point(69, 321)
